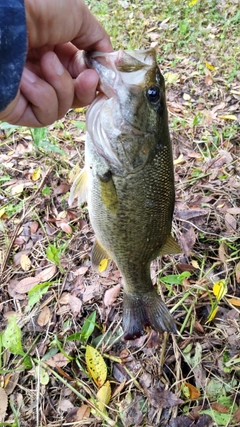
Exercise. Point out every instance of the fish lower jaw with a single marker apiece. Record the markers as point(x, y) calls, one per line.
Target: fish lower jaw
point(142, 310)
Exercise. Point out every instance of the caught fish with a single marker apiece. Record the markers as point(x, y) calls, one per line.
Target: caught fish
point(128, 180)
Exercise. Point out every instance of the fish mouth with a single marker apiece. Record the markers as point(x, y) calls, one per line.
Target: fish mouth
point(120, 68)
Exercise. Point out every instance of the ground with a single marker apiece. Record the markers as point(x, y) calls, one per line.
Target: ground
point(62, 355)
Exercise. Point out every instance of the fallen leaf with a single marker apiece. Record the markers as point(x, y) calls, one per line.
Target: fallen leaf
point(160, 398)
point(25, 262)
point(104, 395)
point(75, 304)
point(44, 316)
point(219, 408)
point(25, 285)
point(236, 416)
point(66, 227)
point(58, 360)
point(234, 301)
point(12, 381)
point(61, 189)
point(210, 66)
point(187, 241)
point(17, 190)
point(171, 77)
point(230, 222)
point(111, 295)
point(220, 289)
point(3, 404)
point(208, 80)
point(96, 365)
point(119, 388)
point(212, 314)
point(82, 412)
point(193, 392)
point(228, 117)
point(237, 272)
point(64, 405)
point(222, 252)
point(36, 174)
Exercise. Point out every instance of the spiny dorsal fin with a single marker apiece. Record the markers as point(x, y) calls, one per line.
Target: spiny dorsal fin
point(79, 188)
point(170, 247)
point(98, 254)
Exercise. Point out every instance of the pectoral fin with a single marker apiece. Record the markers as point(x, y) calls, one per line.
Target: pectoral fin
point(99, 254)
point(170, 247)
point(79, 188)
point(108, 192)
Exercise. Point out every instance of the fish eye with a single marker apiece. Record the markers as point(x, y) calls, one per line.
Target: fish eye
point(153, 94)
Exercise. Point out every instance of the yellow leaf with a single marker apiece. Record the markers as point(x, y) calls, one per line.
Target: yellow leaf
point(103, 265)
point(104, 395)
point(220, 289)
point(234, 301)
point(195, 264)
point(178, 160)
point(209, 66)
point(17, 189)
point(171, 77)
point(228, 117)
point(212, 314)
point(193, 392)
point(192, 3)
point(36, 174)
point(43, 376)
point(25, 262)
point(2, 212)
point(96, 366)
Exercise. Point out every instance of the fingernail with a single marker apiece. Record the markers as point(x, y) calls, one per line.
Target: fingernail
point(57, 65)
point(29, 76)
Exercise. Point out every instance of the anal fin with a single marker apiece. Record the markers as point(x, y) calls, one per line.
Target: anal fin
point(98, 255)
point(170, 247)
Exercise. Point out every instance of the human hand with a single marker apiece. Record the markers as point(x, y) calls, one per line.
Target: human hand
point(55, 77)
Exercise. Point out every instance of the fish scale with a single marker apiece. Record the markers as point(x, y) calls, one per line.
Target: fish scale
point(128, 180)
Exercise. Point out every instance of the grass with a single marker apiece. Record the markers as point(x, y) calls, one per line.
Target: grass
point(44, 372)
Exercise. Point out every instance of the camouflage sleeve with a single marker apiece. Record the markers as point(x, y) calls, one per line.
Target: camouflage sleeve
point(13, 47)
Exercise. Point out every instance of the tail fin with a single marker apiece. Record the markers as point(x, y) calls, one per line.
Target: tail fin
point(141, 310)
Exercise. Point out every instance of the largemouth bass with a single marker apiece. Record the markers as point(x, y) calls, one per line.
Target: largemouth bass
point(128, 180)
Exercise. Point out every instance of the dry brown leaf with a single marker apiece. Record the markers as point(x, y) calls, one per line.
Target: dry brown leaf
point(230, 222)
point(236, 416)
point(3, 404)
point(82, 412)
point(58, 360)
point(187, 241)
point(160, 398)
point(25, 285)
point(220, 408)
point(234, 211)
point(64, 405)
point(75, 304)
point(234, 301)
point(64, 299)
point(65, 227)
point(237, 271)
point(193, 391)
point(61, 189)
point(119, 388)
point(44, 316)
point(10, 382)
point(111, 295)
point(34, 226)
point(222, 252)
point(25, 262)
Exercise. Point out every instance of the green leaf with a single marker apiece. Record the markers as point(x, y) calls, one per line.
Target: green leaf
point(219, 418)
point(175, 279)
point(12, 337)
point(53, 254)
point(35, 294)
point(87, 329)
point(80, 125)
